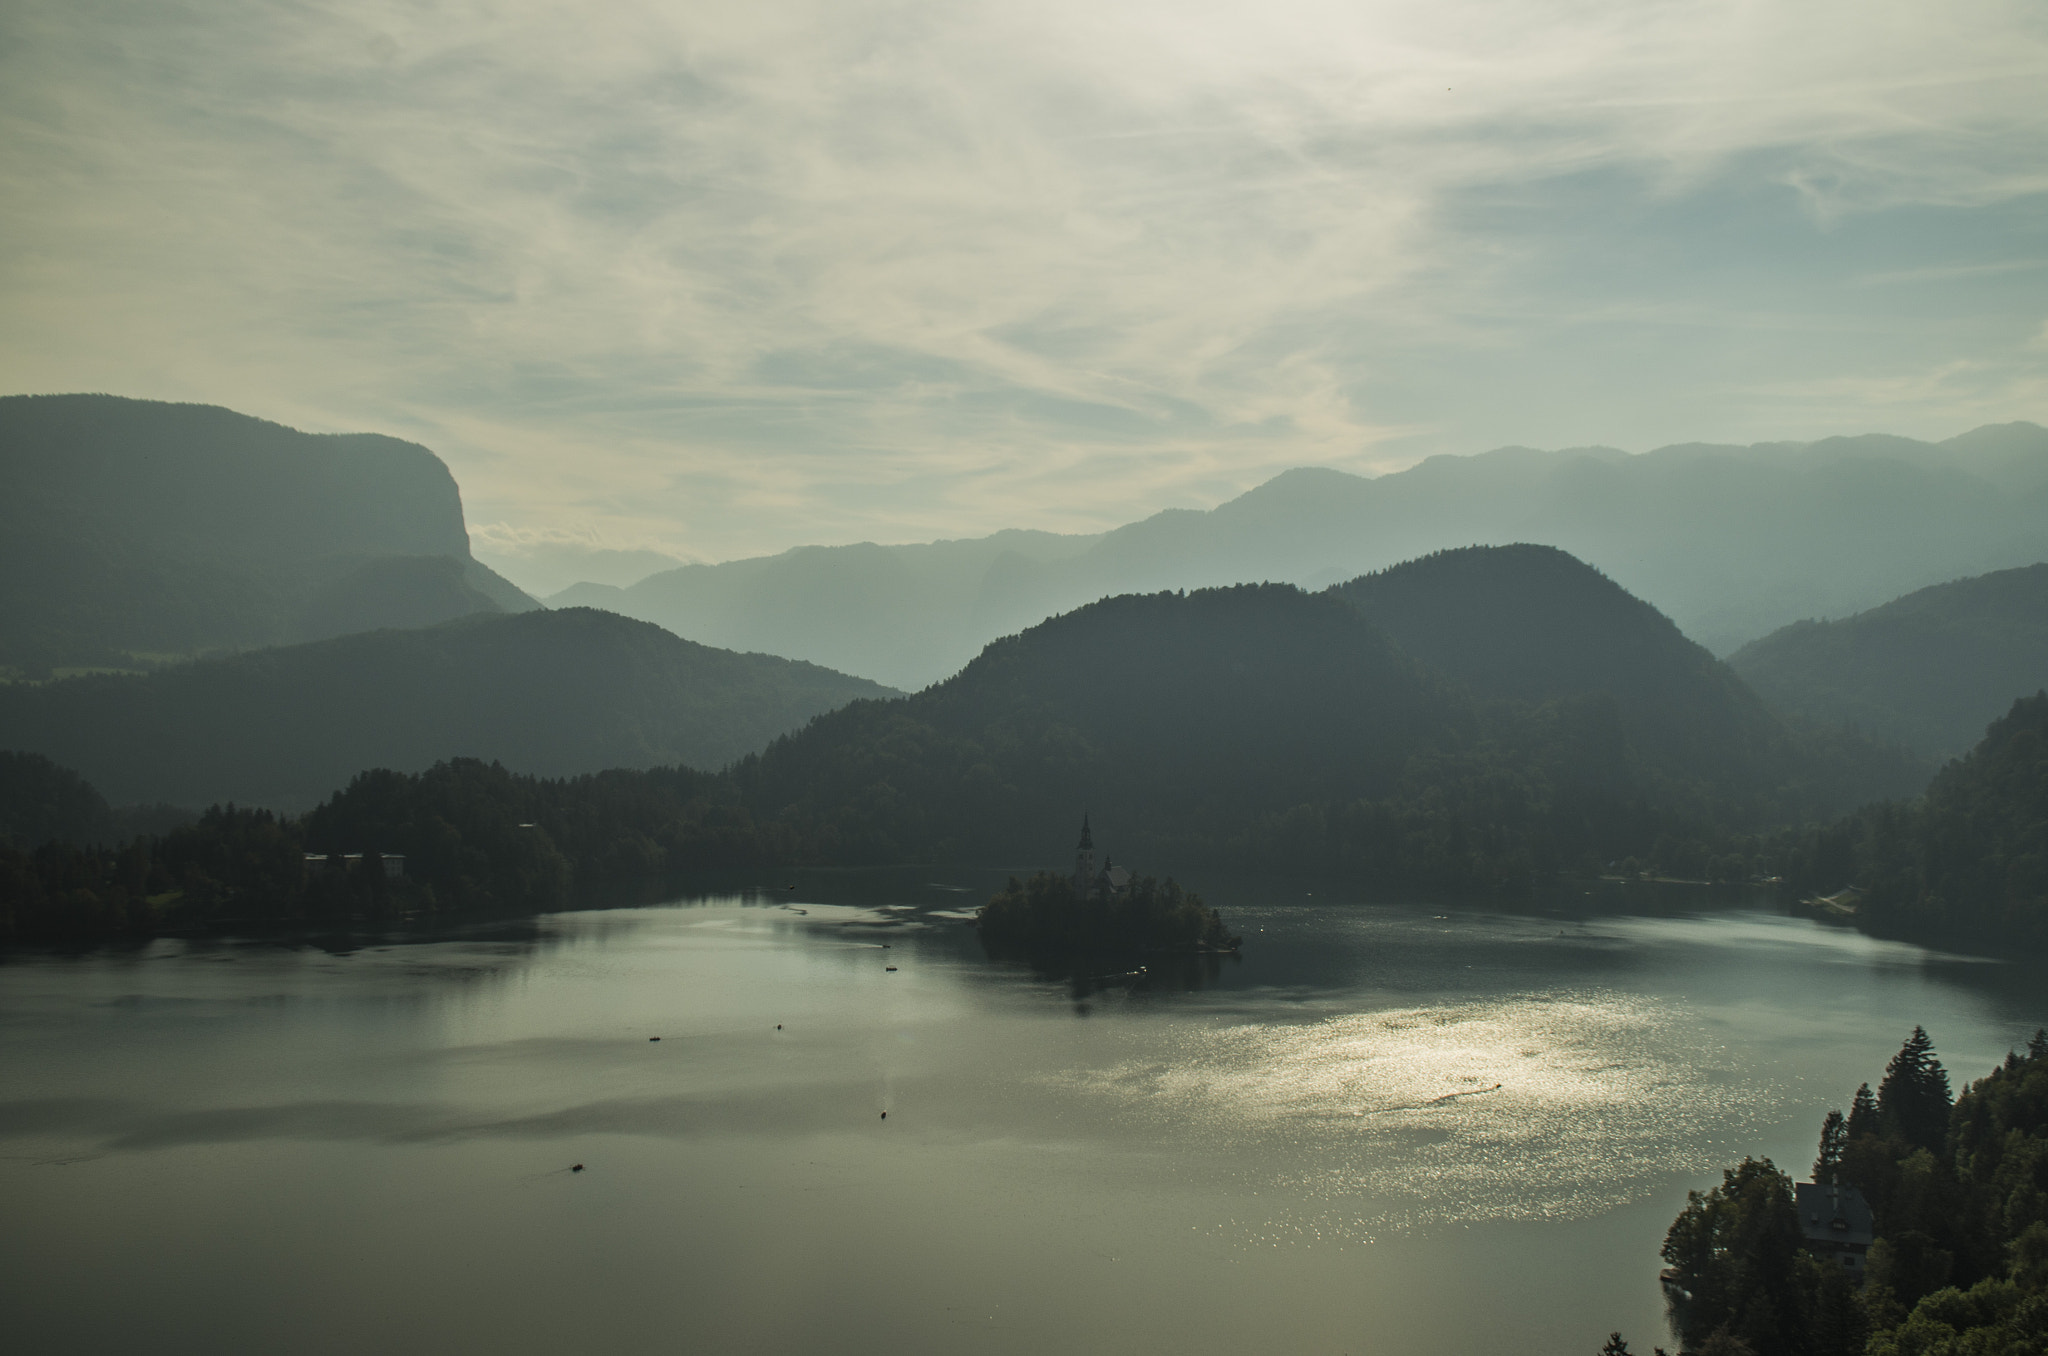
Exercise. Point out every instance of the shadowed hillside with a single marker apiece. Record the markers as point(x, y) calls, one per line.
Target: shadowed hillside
point(1256, 727)
point(133, 527)
point(1264, 723)
point(1929, 670)
point(1968, 862)
point(553, 693)
point(1532, 624)
point(1729, 542)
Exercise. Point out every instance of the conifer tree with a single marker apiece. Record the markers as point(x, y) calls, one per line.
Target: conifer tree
point(1862, 1113)
point(1834, 1134)
point(1913, 1100)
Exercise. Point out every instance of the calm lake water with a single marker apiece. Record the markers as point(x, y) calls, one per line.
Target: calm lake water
point(1383, 1130)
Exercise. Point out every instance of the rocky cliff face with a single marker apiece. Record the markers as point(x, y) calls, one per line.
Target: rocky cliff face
point(137, 527)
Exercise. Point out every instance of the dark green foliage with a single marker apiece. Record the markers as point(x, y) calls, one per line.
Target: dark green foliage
point(1960, 1265)
point(473, 835)
point(1966, 864)
point(551, 693)
point(1259, 726)
point(1738, 1252)
point(1195, 713)
point(1834, 1134)
point(1043, 919)
point(1913, 1100)
point(136, 527)
point(1533, 625)
point(1929, 670)
point(41, 803)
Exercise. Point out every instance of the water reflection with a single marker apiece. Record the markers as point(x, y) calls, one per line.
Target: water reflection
point(1435, 1126)
point(1527, 1107)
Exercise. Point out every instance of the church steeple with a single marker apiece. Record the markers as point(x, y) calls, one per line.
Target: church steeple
point(1084, 861)
point(1087, 839)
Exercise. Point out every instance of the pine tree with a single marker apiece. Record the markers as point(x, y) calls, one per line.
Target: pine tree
point(1614, 1346)
point(1862, 1113)
point(1913, 1100)
point(1834, 1134)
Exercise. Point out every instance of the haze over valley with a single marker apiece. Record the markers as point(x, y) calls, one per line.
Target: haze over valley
point(885, 677)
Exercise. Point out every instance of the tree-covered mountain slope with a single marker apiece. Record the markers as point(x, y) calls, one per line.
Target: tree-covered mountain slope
point(1929, 670)
point(1534, 624)
point(134, 527)
point(1263, 723)
point(1185, 711)
point(1531, 624)
point(1967, 864)
point(552, 693)
point(43, 803)
point(1730, 542)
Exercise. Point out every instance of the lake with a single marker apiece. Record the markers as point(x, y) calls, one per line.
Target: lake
point(1384, 1129)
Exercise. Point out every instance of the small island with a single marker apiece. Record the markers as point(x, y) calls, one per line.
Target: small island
point(1100, 913)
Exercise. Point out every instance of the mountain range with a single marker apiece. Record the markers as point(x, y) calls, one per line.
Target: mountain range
point(1485, 705)
point(134, 531)
point(1729, 542)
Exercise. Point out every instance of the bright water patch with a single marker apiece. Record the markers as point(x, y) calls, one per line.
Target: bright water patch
point(1384, 1129)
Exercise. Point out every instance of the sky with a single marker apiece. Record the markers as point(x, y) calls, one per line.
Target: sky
point(718, 279)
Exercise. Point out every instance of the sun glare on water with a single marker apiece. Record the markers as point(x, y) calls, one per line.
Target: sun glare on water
point(1533, 1107)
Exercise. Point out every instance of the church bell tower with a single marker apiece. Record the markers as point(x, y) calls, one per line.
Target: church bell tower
point(1084, 861)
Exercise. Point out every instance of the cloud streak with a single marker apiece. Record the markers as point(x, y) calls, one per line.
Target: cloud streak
point(719, 279)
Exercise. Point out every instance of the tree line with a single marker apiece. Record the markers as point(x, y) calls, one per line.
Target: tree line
point(1958, 1192)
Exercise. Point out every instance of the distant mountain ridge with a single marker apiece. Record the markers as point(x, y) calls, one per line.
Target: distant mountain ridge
point(138, 527)
point(1930, 670)
point(1729, 542)
point(552, 693)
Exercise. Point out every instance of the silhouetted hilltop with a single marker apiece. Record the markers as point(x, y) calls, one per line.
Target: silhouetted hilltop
point(1533, 624)
point(43, 803)
point(1262, 723)
point(1730, 542)
point(138, 527)
point(553, 693)
point(1929, 670)
point(1186, 709)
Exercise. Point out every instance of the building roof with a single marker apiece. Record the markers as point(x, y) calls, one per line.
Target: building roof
point(1832, 1215)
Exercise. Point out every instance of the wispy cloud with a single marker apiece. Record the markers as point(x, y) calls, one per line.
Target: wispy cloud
point(723, 278)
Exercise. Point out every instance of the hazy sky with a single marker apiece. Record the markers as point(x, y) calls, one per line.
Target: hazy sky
point(721, 278)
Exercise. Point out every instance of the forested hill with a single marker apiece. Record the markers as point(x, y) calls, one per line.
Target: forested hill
point(134, 527)
point(553, 693)
point(1188, 711)
point(1968, 863)
point(1258, 726)
point(1929, 670)
point(1262, 723)
point(1533, 624)
point(43, 803)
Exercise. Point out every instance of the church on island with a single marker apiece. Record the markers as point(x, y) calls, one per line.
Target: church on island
point(1090, 883)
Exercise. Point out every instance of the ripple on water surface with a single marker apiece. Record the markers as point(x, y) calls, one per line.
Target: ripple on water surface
point(1532, 1107)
